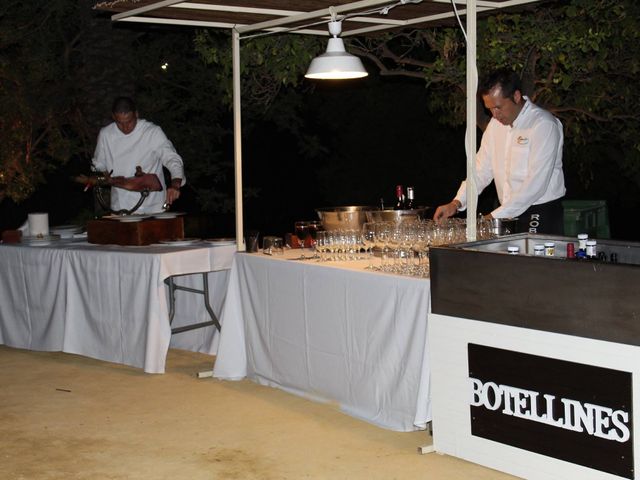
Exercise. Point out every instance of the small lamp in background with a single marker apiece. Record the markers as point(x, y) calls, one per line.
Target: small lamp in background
point(336, 63)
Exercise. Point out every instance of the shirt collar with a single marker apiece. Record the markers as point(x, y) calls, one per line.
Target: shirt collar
point(527, 106)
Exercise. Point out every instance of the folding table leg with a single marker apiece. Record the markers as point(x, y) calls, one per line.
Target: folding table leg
point(172, 305)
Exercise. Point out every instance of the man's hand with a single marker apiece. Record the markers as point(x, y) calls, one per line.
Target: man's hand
point(445, 211)
point(173, 191)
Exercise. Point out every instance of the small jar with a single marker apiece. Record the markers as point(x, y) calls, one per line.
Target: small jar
point(538, 250)
point(513, 250)
point(582, 241)
point(591, 249)
point(549, 249)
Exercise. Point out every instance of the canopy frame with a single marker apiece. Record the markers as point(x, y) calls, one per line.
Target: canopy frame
point(293, 19)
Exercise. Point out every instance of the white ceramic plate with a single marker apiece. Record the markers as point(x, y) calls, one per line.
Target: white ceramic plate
point(167, 214)
point(181, 242)
point(66, 231)
point(127, 218)
point(65, 228)
point(221, 241)
point(39, 241)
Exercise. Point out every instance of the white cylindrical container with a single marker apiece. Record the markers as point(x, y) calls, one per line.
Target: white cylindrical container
point(38, 224)
point(538, 250)
point(513, 250)
point(549, 249)
point(591, 249)
point(582, 241)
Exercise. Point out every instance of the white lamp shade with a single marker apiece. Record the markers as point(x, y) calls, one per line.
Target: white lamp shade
point(336, 63)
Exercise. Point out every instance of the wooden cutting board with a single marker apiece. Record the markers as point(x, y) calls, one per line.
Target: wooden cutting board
point(145, 232)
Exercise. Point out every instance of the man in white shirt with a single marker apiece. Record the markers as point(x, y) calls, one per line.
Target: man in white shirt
point(521, 150)
point(130, 142)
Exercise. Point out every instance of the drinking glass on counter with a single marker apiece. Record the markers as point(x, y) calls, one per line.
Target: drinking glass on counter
point(369, 240)
point(321, 245)
point(302, 230)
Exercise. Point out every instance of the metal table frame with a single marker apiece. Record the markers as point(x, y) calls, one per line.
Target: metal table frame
point(173, 287)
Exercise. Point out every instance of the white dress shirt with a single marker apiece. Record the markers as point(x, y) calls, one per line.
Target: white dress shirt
point(146, 146)
point(524, 159)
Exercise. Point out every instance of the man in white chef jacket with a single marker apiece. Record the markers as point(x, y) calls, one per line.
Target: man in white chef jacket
point(521, 150)
point(130, 142)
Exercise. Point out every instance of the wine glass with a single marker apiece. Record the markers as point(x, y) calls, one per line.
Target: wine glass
point(369, 240)
point(302, 230)
point(313, 228)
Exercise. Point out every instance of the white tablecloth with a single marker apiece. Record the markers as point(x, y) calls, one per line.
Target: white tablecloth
point(107, 302)
point(331, 332)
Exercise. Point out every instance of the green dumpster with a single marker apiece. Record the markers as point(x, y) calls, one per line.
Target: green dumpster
point(586, 216)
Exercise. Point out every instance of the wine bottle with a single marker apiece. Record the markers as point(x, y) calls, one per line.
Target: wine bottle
point(409, 205)
point(399, 198)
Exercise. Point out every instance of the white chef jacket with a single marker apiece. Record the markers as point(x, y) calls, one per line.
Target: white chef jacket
point(146, 146)
point(524, 160)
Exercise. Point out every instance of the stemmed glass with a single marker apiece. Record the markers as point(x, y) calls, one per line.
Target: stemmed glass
point(369, 240)
point(302, 230)
point(383, 233)
point(313, 228)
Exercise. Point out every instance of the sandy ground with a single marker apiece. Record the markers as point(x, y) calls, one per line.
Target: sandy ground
point(68, 417)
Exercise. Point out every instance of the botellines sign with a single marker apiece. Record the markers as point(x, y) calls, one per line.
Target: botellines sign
point(570, 411)
point(597, 420)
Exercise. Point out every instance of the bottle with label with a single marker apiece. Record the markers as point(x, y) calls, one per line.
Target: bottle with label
point(571, 250)
point(581, 254)
point(409, 205)
point(399, 198)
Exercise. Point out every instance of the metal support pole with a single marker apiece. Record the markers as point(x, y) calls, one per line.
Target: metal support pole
point(237, 138)
point(472, 87)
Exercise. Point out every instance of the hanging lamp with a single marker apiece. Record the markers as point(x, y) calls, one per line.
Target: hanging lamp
point(336, 63)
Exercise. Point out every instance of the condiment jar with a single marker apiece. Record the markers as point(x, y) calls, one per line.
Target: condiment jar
point(538, 250)
point(591, 249)
point(582, 241)
point(549, 249)
point(513, 250)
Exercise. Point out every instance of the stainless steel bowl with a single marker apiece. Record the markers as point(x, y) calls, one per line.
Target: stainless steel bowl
point(503, 226)
point(346, 218)
point(397, 216)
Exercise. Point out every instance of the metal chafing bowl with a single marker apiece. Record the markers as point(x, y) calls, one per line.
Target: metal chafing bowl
point(345, 218)
point(397, 216)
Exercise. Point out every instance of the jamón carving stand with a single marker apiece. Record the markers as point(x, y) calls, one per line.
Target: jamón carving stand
point(141, 182)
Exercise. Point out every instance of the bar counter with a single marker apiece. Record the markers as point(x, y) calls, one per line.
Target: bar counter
point(535, 360)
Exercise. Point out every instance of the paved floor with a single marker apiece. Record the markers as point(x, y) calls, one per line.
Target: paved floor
point(68, 417)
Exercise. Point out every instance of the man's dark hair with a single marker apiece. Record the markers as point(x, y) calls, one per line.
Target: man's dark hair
point(123, 105)
point(507, 80)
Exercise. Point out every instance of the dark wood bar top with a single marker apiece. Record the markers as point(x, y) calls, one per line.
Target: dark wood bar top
point(582, 298)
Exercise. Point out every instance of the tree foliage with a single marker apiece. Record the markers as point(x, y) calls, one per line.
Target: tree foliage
point(577, 58)
point(41, 125)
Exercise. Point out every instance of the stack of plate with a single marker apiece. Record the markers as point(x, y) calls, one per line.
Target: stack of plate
point(179, 242)
point(167, 214)
point(136, 217)
point(66, 231)
point(220, 242)
point(38, 241)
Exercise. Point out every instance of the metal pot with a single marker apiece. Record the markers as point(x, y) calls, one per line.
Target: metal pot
point(397, 216)
point(503, 226)
point(346, 218)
